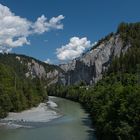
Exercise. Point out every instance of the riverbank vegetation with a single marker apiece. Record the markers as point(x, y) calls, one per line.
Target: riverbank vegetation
point(114, 102)
point(113, 105)
point(17, 92)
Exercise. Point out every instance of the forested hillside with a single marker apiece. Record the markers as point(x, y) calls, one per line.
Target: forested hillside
point(114, 102)
point(17, 91)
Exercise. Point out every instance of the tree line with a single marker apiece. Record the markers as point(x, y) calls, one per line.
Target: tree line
point(17, 92)
point(114, 102)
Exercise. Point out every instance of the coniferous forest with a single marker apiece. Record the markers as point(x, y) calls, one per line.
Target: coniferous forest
point(17, 92)
point(114, 102)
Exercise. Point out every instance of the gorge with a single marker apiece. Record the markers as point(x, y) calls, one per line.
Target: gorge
point(104, 80)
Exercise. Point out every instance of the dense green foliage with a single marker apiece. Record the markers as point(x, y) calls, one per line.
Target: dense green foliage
point(114, 102)
point(114, 105)
point(130, 33)
point(12, 61)
point(16, 91)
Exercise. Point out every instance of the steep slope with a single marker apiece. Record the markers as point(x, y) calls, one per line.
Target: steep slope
point(114, 101)
point(91, 65)
point(26, 66)
point(23, 82)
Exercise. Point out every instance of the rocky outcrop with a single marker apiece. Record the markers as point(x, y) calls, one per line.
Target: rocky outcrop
point(91, 66)
point(52, 77)
point(35, 69)
point(88, 68)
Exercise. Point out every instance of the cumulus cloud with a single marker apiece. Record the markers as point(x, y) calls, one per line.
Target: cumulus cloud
point(42, 25)
point(73, 49)
point(55, 22)
point(95, 43)
point(48, 61)
point(14, 30)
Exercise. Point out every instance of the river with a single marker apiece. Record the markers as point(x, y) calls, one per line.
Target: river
point(69, 122)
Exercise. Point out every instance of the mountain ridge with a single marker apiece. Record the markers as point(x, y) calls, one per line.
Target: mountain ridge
point(113, 98)
point(23, 82)
point(91, 66)
point(114, 101)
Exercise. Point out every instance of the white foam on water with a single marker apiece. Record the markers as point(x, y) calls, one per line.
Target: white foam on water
point(52, 104)
point(12, 125)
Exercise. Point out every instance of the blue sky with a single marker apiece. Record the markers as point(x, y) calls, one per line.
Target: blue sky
point(92, 19)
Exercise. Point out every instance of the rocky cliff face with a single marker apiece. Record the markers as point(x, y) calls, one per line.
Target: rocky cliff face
point(88, 68)
point(91, 66)
point(35, 68)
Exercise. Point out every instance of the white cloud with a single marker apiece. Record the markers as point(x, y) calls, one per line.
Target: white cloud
point(48, 61)
point(95, 43)
point(19, 42)
point(55, 22)
point(42, 25)
point(73, 49)
point(14, 30)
